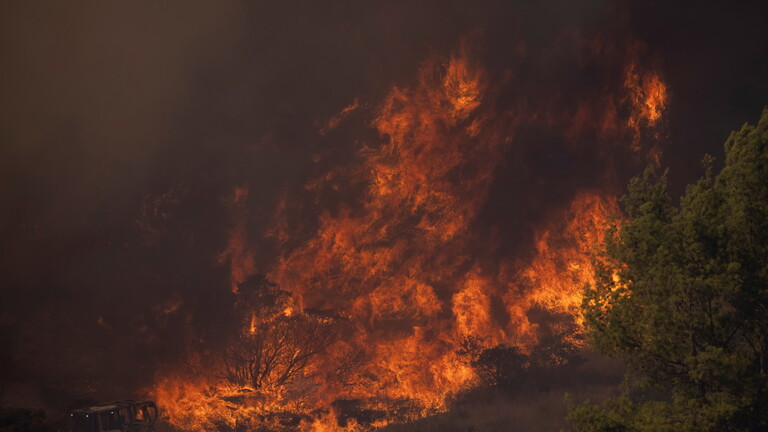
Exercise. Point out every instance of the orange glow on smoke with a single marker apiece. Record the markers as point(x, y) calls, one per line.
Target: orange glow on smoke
point(400, 266)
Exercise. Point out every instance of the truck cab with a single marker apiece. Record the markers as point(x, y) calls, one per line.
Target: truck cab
point(118, 416)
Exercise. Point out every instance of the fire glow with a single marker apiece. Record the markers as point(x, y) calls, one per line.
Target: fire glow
point(372, 307)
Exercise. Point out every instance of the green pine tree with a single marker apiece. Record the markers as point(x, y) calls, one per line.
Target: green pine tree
point(681, 295)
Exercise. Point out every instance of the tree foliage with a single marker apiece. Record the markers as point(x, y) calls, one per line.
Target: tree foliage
point(681, 295)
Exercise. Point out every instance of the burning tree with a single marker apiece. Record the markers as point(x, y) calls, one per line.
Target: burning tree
point(276, 346)
point(279, 351)
point(270, 369)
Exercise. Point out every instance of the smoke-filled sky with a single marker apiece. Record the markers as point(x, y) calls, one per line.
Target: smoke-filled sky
point(128, 129)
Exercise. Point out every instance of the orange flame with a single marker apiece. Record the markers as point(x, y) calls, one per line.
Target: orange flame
point(562, 262)
point(647, 95)
point(399, 265)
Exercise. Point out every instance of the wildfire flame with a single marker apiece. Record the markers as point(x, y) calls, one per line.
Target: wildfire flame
point(398, 265)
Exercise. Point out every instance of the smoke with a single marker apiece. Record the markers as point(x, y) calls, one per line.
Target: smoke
point(92, 96)
point(126, 132)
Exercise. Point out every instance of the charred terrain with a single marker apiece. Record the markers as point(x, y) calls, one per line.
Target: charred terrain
point(343, 217)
